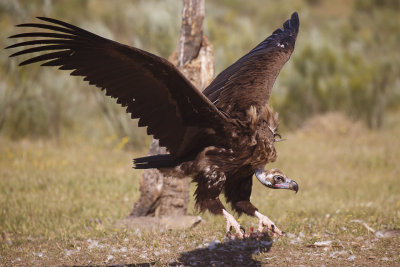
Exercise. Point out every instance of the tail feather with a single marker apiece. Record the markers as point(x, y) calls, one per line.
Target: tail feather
point(156, 161)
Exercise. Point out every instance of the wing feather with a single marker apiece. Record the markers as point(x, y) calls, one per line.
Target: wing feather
point(250, 79)
point(151, 88)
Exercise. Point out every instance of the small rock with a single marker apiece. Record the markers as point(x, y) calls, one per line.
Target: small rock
point(40, 255)
point(387, 233)
point(326, 243)
point(338, 253)
point(290, 235)
point(351, 258)
point(17, 259)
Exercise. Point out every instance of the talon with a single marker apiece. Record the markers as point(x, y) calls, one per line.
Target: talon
point(244, 230)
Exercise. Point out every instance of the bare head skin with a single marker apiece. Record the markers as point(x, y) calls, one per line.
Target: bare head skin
point(275, 179)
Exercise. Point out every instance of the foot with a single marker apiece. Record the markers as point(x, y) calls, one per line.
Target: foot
point(265, 221)
point(232, 223)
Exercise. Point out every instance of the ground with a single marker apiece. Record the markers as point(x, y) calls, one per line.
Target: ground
point(61, 200)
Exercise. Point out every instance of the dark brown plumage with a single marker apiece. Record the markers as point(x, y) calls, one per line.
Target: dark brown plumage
point(221, 137)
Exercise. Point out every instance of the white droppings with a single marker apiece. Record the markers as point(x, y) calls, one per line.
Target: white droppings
point(39, 254)
point(144, 256)
point(290, 235)
point(109, 257)
point(69, 252)
point(351, 258)
point(94, 244)
point(138, 233)
point(17, 259)
point(338, 253)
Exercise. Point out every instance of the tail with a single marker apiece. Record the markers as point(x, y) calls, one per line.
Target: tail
point(156, 161)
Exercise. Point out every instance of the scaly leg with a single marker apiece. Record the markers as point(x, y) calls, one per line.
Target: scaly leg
point(265, 221)
point(231, 222)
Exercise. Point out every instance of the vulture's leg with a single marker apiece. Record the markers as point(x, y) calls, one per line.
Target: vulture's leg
point(245, 206)
point(232, 223)
point(215, 206)
point(238, 194)
point(209, 185)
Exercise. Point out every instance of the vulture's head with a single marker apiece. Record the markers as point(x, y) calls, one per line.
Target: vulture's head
point(275, 179)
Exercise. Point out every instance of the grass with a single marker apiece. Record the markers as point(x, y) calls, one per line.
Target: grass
point(59, 202)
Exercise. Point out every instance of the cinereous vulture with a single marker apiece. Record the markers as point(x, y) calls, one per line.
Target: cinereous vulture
point(220, 137)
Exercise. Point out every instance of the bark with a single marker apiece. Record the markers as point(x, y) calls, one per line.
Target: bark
point(163, 195)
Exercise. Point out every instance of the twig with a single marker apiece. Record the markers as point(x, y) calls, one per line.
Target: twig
point(365, 225)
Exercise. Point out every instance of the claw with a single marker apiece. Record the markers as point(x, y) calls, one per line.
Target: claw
point(242, 228)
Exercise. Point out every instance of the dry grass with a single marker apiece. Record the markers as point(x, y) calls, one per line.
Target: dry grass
point(60, 201)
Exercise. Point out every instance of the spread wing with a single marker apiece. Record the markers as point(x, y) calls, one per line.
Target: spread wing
point(249, 80)
point(151, 88)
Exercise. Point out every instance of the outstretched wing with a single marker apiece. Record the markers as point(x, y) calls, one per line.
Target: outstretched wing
point(151, 88)
point(249, 80)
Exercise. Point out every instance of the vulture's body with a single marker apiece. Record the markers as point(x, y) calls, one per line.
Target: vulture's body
point(221, 137)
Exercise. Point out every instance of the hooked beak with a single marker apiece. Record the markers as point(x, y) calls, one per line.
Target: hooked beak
point(288, 184)
point(275, 179)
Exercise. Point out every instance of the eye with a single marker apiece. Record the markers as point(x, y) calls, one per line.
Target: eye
point(277, 137)
point(279, 179)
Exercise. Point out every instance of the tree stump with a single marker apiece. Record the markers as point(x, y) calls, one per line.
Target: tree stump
point(163, 195)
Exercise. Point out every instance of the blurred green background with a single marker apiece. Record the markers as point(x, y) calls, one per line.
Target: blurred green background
point(66, 174)
point(346, 59)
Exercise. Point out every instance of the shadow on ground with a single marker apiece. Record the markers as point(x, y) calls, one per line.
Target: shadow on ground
point(229, 253)
point(146, 264)
point(235, 252)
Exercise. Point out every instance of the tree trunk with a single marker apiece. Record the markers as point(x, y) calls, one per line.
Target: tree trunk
point(165, 195)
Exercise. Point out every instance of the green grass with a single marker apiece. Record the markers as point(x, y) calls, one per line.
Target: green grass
point(57, 198)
